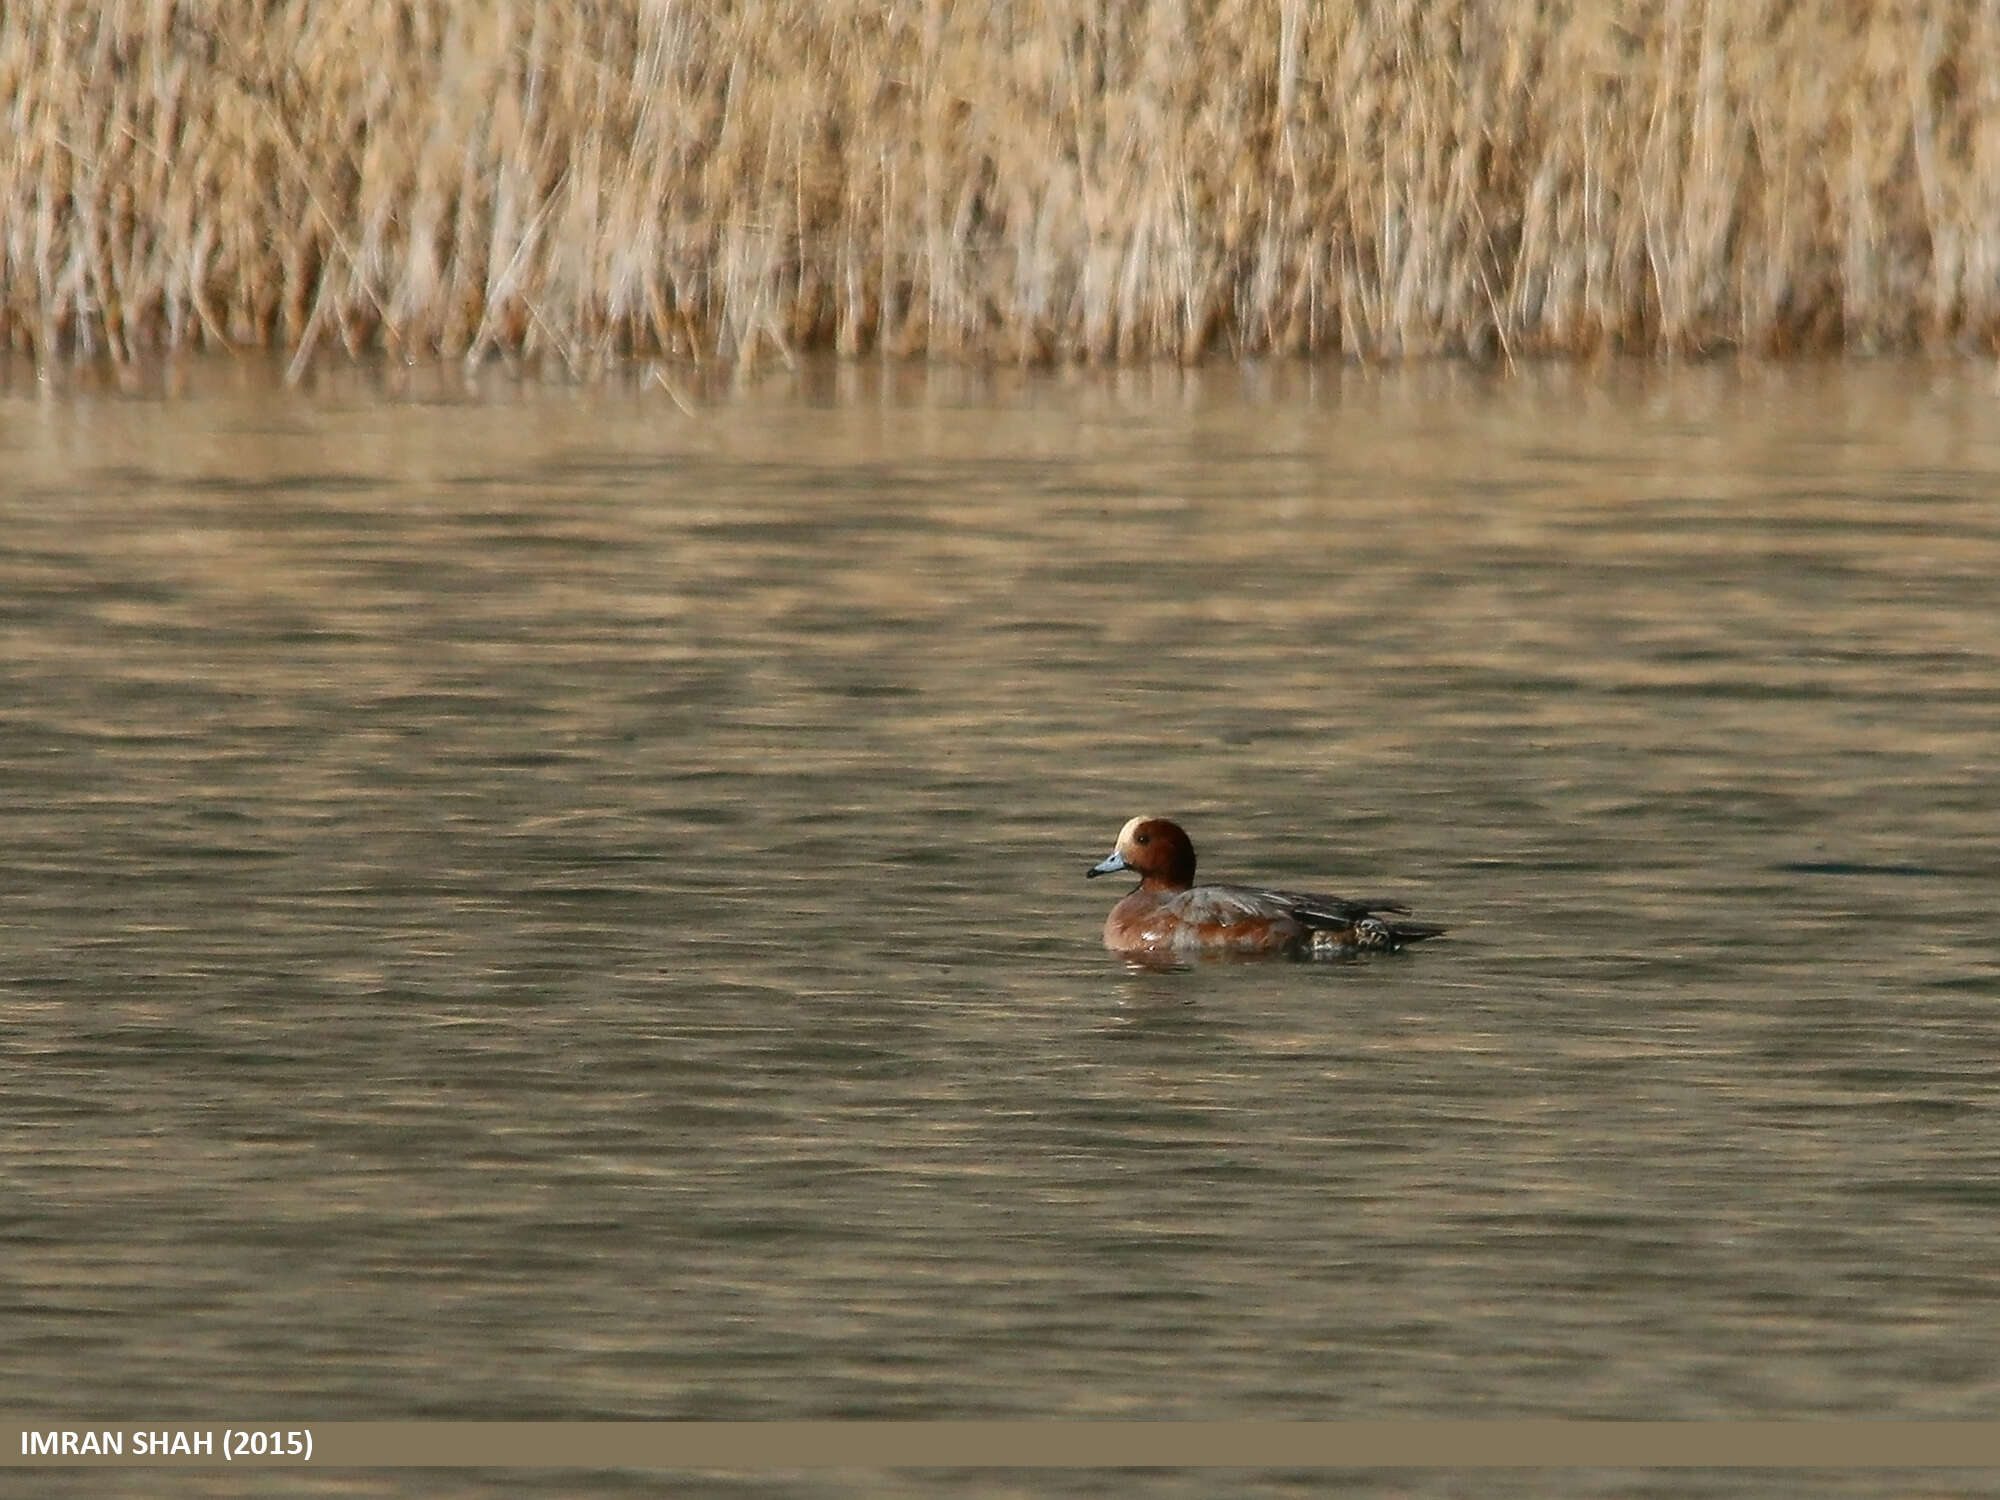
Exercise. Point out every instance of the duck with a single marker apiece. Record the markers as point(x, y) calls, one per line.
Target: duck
point(1169, 919)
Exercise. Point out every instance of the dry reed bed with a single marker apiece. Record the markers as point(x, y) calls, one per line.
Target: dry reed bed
point(1043, 179)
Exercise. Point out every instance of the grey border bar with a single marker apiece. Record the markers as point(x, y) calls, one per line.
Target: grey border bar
point(752, 1446)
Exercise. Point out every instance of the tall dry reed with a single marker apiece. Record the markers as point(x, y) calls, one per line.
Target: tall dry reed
point(1045, 179)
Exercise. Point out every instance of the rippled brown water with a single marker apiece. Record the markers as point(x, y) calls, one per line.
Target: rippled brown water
point(537, 904)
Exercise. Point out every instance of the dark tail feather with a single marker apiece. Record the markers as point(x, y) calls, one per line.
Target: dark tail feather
point(1366, 926)
point(1334, 911)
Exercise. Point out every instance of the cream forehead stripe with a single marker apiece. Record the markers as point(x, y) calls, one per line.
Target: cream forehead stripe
point(1126, 832)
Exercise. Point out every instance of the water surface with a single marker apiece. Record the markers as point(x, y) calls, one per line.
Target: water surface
point(551, 904)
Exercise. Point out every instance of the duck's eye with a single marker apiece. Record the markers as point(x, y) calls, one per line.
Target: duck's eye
point(1142, 838)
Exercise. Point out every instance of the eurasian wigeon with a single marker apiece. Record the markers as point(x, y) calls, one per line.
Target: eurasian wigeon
point(1171, 919)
